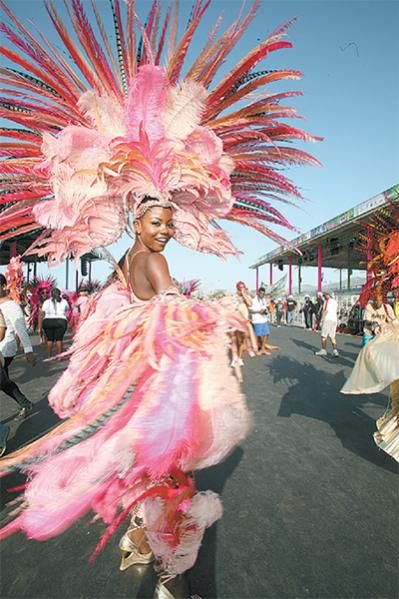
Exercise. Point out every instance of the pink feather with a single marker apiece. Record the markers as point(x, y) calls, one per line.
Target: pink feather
point(147, 96)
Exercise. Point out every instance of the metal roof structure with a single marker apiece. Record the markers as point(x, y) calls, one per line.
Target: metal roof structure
point(339, 237)
point(22, 243)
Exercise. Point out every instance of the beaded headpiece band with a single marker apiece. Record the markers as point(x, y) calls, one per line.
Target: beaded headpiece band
point(146, 204)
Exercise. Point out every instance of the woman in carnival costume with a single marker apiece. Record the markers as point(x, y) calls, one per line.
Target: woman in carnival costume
point(377, 365)
point(148, 396)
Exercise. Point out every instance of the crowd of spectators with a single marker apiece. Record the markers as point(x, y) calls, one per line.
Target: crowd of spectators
point(306, 311)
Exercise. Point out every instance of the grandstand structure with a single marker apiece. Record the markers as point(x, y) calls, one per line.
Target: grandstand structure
point(337, 243)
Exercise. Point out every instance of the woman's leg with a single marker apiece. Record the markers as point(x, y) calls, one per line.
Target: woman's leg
point(241, 346)
point(263, 349)
point(252, 344)
point(49, 345)
point(12, 390)
point(59, 332)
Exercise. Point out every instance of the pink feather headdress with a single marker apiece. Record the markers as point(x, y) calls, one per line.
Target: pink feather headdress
point(86, 156)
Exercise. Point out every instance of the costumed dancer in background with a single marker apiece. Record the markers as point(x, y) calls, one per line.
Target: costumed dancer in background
point(148, 396)
point(40, 290)
point(377, 365)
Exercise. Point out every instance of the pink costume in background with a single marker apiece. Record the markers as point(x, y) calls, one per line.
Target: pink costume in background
point(148, 394)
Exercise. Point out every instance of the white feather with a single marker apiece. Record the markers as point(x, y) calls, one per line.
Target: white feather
point(184, 107)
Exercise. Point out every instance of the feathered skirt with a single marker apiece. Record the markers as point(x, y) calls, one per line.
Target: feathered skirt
point(376, 368)
point(147, 397)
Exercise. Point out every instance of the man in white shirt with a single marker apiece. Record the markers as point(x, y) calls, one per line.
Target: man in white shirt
point(12, 323)
point(260, 321)
point(329, 322)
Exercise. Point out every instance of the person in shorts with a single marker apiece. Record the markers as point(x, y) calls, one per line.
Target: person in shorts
point(329, 322)
point(260, 321)
point(53, 321)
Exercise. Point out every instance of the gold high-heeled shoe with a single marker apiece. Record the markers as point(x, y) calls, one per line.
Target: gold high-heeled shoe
point(131, 555)
point(162, 592)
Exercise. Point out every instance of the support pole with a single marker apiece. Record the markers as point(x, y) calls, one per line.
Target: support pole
point(271, 273)
point(76, 279)
point(299, 279)
point(319, 267)
point(66, 274)
point(13, 249)
point(28, 272)
point(35, 270)
point(348, 283)
point(256, 278)
point(290, 275)
point(340, 279)
point(369, 252)
point(90, 271)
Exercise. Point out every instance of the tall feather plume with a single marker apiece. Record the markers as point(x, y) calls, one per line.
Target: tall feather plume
point(105, 41)
point(83, 65)
point(73, 78)
point(131, 39)
point(149, 30)
point(163, 34)
point(173, 31)
point(176, 61)
point(120, 44)
point(93, 50)
point(230, 39)
point(155, 29)
point(29, 45)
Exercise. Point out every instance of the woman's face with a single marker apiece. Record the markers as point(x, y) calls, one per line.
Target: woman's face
point(155, 228)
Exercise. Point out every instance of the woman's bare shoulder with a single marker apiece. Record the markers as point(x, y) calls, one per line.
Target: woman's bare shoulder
point(155, 260)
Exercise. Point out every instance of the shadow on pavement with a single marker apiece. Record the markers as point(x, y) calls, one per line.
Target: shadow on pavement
point(316, 394)
point(345, 358)
point(41, 420)
point(202, 577)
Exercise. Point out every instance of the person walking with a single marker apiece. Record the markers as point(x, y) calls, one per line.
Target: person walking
point(308, 312)
point(280, 307)
point(291, 305)
point(12, 323)
point(53, 321)
point(329, 321)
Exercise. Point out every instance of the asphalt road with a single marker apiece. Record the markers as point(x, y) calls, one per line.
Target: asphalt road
point(310, 503)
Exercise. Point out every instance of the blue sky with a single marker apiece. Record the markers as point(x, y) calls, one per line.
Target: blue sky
point(349, 54)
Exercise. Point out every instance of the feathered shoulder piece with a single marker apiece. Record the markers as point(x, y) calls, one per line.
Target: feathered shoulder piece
point(94, 135)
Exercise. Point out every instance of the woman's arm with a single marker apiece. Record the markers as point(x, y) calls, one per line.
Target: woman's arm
point(40, 323)
point(247, 299)
point(3, 327)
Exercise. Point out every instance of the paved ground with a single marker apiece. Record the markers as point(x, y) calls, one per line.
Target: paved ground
point(311, 504)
